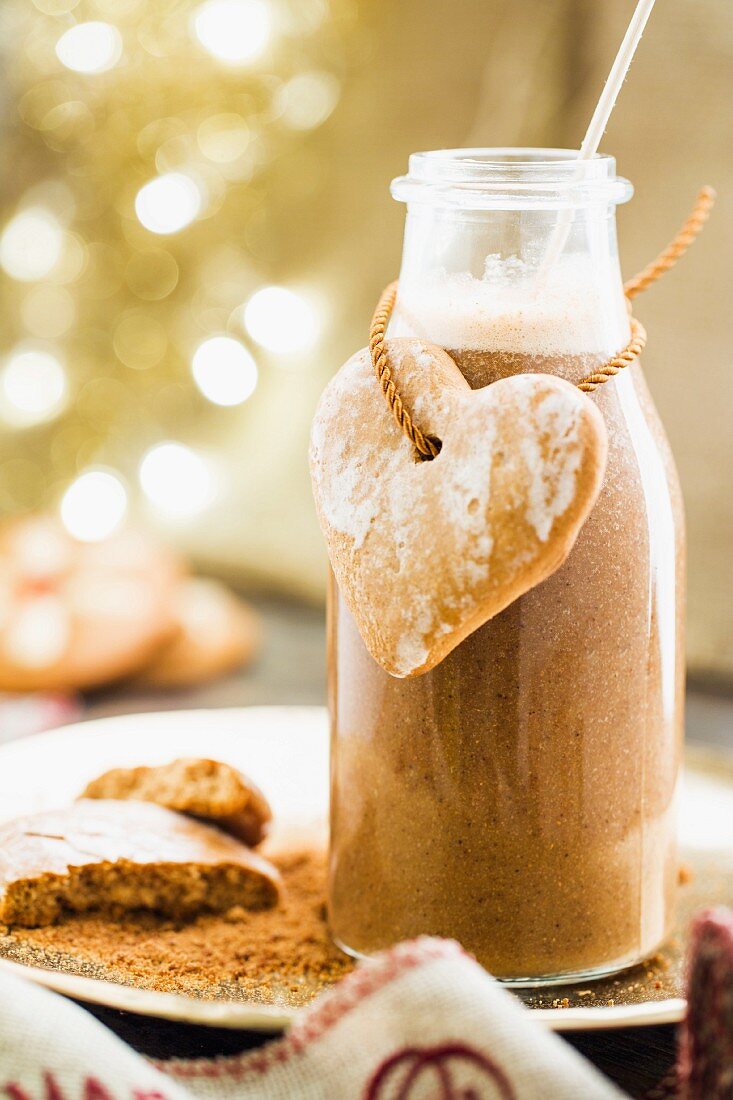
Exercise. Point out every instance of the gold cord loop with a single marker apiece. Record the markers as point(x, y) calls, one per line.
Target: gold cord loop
point(429, 447)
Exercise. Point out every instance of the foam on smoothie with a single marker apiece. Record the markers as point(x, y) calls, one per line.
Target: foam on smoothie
point(511, 309)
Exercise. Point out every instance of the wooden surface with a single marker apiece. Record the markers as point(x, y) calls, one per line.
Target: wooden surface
point(291, 670)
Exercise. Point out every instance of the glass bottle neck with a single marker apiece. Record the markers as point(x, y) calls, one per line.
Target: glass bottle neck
point(486, 281)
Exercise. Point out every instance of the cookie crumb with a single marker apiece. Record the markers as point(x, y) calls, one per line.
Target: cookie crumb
point(278, 956)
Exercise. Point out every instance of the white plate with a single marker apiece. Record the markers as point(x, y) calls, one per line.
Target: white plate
point(285, 750)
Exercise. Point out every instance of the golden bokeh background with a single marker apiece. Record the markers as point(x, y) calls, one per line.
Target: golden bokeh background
point(195, 223)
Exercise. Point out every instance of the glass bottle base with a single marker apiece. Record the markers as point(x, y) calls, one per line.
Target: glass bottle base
point(568, 977)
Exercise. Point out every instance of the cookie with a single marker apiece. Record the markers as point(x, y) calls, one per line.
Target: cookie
point(207, 789)
point(425, 552)
point(112, 857)
point(74, 615)
point(216, 633)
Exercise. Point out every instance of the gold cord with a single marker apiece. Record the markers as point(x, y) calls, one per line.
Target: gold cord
point(428, 446)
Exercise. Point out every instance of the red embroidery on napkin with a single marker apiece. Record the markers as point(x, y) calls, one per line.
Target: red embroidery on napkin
point(92, 1089)
point(351, 990)
point(95, 1090)
point(15, 1092)
point(397, 1077)
point(51, 1089)
point(53, 1092)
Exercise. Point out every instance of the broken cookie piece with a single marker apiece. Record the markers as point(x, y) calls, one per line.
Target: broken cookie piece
point(113, 856)
point(207, 789)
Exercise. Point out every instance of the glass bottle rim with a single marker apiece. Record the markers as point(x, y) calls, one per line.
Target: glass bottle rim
point(511, 178)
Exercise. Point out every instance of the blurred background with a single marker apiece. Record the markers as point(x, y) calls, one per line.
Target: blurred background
point(195, 224)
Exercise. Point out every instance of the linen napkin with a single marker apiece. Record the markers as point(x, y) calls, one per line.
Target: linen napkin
point(422, 1021)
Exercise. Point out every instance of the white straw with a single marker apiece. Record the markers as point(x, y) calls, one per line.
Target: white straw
point(616, 77)
point(601, 115)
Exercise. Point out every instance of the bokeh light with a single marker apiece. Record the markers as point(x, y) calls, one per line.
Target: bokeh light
point(306, 100)
point(47, 311)
point(140, 341)
point(168, 203)
point(177, 481)
point(39, 633)
point(281, 320)
point(91, 47)
point(152, 274)
point(42, 547)
point(32, 387)
point(224, 370)
point(161, 162)
point(94, 505)
point(55, 7)
point(73, 259)
point(235, 31)
point(30, 244)
point(223, 138)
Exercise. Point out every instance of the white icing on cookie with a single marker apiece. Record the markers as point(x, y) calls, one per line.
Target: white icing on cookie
point(425, 552)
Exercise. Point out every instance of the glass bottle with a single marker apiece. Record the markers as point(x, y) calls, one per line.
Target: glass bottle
point(520, 797)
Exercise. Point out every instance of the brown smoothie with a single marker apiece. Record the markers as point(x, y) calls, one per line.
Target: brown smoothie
point(520, 797)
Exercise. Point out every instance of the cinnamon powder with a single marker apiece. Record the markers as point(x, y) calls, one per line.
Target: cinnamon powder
point(277, 956)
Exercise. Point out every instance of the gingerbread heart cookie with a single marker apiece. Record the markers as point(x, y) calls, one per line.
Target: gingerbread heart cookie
point(425, 552)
